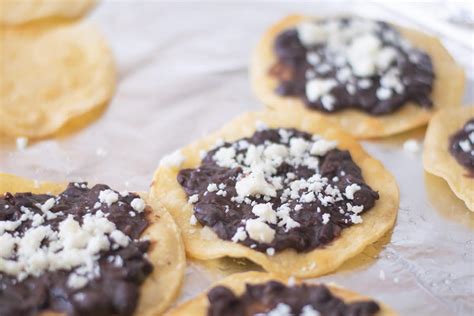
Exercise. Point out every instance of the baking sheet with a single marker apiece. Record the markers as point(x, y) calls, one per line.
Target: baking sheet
point(183, 72)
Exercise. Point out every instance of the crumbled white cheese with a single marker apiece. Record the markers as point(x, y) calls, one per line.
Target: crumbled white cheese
point(315, 88)
point(76, 281)
point(240, 235)
point(270, 251)
point(350, 190)
point(356, 219)
point(383, 93)
point(298, 146)
point(193, 199)
point(108, 197)
point(362, 53)
point(265, 212)
point(328, 102)
point(21, 143)
point(291, 281)
point(411, 146)
point(385, 57)
point(120, 238)
point(465, 145)
point(260, 125)
point(326, 218)
point(322, 146)
point(225, 157)
point(174, 159)
point(138, 205)
point(253, 184)
point(8, 245)
point(364, 83)
point(308, 310)
point(259, 231)
point(382, 275)
point(212, 187)
point(47, 205)
point(357, 52)
point(313, 58)
point(471, 137)
point(193, 220)
point(310, 34)
point(351, 89)
point(73, 247)
point(344, 74)
point(280, 310)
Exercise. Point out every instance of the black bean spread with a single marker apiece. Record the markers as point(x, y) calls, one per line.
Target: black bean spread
point(276, 299)
point(351, 63)
point(77, 253)
point(278, 189)
point(461, 146)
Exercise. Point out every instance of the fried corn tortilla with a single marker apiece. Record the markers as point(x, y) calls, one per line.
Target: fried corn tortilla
point(436, 156)
point(54, 73)
point(202, 243)
point(447, 89)
point(166, 254)
point(236, 282)
point(14, 12)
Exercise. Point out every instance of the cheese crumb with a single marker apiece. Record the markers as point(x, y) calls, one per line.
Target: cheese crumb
point(351, 190)
point(21, 143)
point(308, 310)
point(322, 146)
point(193, 199)
point(108, 197)
point(120, 238)
point(260, 125)
point(316, 88)
point(411, 146)
point(193, 220)
point(465, 145)
point(291, 281)
point(240, 235)
point(138, 204)
point(259, 231)
point(326, 217)
point(174, 159)
point(76, 281)
point(270, 251)
point(254, 184)
point(265, 212)
point(280, 310)
point(212, 187)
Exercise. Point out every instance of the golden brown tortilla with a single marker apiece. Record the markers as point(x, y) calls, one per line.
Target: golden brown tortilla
point(202, 243)
point(166, 254)
point(236, 282)
point(436, 156)
point(14, 12)
point(52, 74)
point(447, 90)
